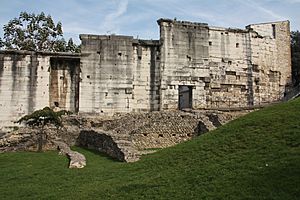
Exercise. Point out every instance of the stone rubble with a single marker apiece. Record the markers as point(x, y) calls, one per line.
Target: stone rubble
point(124, 137)
point(77, 160)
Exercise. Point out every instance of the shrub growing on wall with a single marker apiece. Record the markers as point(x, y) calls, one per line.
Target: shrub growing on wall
point(40, 118)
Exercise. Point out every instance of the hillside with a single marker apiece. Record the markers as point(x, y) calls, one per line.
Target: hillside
point(254, 157)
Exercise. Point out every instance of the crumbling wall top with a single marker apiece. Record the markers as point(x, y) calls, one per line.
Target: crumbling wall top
point(187, 23)
point(103, 37)
point(45, 53)
point(146, 42)
point(266, 23)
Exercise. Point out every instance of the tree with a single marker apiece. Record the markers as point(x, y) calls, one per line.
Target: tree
point(71, 47)
point(40, 118)
point(295, 46)
point(34, 32)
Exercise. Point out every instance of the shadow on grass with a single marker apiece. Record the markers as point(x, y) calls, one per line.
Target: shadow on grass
point(94, 152)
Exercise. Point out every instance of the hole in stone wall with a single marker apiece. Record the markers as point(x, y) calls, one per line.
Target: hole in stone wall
point(145, 134)
point(237, 45)
point(231, 73)
point(119, 54)
point(210, 43)
point(255, 68)
point(56, 104)
point(61, 77)
point(173, 134)
point(229, 62)
point(189, 57)
point(243, 88)
point(274, 30)
point(88, 76)
point(140, 57)
point(189, 135)
point(160, 135)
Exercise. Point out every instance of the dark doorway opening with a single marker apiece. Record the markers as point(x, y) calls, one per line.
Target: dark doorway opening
point(185, 97)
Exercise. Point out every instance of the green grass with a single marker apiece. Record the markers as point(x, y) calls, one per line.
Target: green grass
point(254, 157)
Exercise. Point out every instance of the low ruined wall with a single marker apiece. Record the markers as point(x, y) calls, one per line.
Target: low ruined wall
point(156, 129)
point(100, 142)
point(163, 129)
point(123, 137)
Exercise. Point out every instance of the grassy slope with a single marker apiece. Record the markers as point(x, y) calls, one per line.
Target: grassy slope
point(254, 157)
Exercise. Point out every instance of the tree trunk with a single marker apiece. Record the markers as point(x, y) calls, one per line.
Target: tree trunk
point(41, 139)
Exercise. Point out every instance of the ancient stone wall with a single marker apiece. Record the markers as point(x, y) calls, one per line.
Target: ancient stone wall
point(33, 80)
point(64, 83)
point(118, 74)
point(224, 67)
point(271, 60)
point(193, 65)
point(146, 76)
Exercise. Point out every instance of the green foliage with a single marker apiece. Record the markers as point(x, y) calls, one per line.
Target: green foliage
point(43, 117)
point(72, 47)
point(1, 43)
point(295, 46)
point(254, 157)
point(34, 32)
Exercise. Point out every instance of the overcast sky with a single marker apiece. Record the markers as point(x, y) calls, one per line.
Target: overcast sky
point(138, 17)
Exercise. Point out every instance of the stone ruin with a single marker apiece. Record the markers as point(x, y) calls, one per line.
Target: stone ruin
point(124, 137)
point(128, 94)
point(192, 65)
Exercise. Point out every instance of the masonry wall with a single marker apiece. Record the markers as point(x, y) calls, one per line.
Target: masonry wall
point(26, 84)
point(271, 60)
point(64, 83)
point(118, 74)
point(225, 67)
point(218, 67)
point(146, 76)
